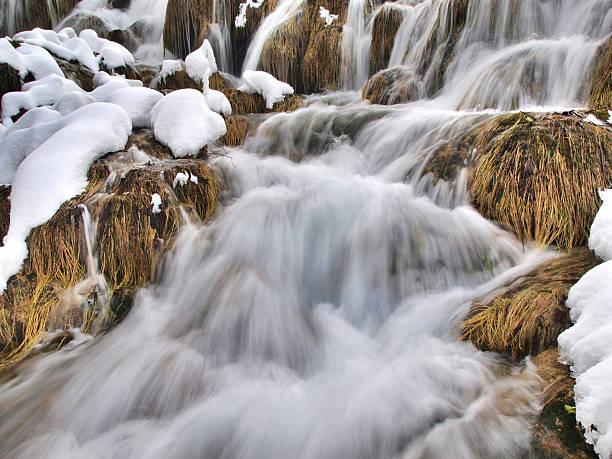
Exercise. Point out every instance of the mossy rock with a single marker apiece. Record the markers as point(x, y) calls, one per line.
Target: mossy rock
point(385, 26)
point(555, 433)
point(10, 80)
point(538, 175)
point(397, 85)
point(82, 21)
point(130, 240)
point(74, 71)
point(528, 315)
point(601, 85)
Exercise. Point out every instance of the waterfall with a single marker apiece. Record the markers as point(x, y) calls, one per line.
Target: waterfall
point(284, 11)
point(316, 316)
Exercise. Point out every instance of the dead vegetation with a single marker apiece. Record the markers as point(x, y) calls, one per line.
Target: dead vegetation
point(528, 316)
point(384, 28)
point(129, 236)
point(237, 128)
point(396, 85)
point(601, 85)
point(538, 175)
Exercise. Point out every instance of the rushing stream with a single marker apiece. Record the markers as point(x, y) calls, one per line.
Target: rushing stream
point(317, 315)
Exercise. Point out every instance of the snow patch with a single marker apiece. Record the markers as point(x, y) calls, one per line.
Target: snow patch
point(587, 345)
point(183, 122)
point(156, 203)
point(272, 90)
point(325, 14)
point(137, 102)
point(593, 120)
point(241, 20)
point(201, 63)
point(217, 102)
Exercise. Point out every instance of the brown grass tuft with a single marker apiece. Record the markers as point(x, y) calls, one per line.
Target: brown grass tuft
point(216, 81)
point(384, 28)
point(530, 314)
point(391, 86)
point(538, 175)
point(601, 85)
point(237, 128)
point(243, 103)
point(9, 80)
point(130, 239)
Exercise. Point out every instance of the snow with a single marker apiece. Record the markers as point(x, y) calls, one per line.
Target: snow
point(137, 102)
point(46, 91)
point(201, 63)
point(593, 120)
point(183, 122)
point(182, 178)
point(38, 61)
point(325, 14)
point(112, 55)
point(155, 203)
point(240, 20)
point(272, 90)
point(600, 239)
point(10, 56)
point(217, 101)
point(65, 45)
point(71, 101)
point(169, 68)
point(609, 116)
point(587, 345)
point(57, 171)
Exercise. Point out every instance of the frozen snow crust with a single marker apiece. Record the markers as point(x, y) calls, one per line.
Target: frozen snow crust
point(46, 153)
point(587, 346)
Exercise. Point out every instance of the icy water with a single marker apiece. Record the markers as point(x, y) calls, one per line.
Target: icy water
point(316, 316)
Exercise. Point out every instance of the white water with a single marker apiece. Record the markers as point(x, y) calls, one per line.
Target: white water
point(284, 11)
point(356, 37)
point(316, 316)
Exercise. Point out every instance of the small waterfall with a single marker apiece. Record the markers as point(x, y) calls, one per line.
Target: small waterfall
point(284, 11)
point(219, 36)
point(356, 37)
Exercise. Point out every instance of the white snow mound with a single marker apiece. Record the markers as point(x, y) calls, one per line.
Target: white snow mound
point(272, 90)
point(201, 63)
point(183, 122)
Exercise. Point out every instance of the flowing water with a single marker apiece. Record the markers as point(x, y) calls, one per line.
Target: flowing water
point(316, 316)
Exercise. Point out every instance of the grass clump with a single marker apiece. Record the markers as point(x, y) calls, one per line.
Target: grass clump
point(52, 287)
point(396, 85)
point(237, 128)
point(529, 315)
point(385, 26)
point(601, 85)
point(538, 175)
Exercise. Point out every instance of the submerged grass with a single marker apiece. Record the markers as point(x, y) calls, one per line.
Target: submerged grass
point(527, 317)
point(538, 175)
point(385, 26)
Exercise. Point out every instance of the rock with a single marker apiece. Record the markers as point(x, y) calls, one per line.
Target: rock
point(396, 85)
point(555, 433)
point(82, 21)
point(77, 73)
point(9, 79)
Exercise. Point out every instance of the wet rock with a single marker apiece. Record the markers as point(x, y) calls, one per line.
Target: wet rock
point(397, 85)
point(77, 73)
point(82, 21)
point(555, 433)
point(9, 79)
point(124, 37)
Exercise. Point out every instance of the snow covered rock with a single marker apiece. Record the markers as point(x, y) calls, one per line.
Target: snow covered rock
point(137, 102)
point(201, 63)
point(183, 121)
point(57, 171)
point(218, 102)
point(263, 83)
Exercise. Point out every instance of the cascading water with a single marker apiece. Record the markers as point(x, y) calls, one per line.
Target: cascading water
point(284, 11)
point(316, 316)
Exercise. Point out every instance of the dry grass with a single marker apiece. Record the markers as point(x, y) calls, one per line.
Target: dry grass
point(322, 61)
point(391, 86)
point(216, 81)
point(243, 103)
point(130, 239)
point(384, 28)
point(538, 175)
point(5, 209)
point(530, 314)
point(178, 80)
point(601, 85)
point(447, 159)
point(237, 128)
